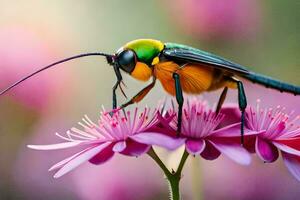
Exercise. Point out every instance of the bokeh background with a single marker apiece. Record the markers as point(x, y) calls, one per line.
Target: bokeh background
point(263, 35)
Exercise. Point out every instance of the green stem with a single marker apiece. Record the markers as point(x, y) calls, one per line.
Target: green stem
point(182, 162)
point(173, 177)
point(155, 157)
point(174, 187)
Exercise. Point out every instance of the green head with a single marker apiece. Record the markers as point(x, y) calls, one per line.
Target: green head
point(138, 56)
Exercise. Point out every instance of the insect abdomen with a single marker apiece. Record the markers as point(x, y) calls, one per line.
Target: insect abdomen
point(272, 83)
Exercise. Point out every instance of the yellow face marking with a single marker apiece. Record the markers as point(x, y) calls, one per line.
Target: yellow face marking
point(155, 60)
point(141, 72)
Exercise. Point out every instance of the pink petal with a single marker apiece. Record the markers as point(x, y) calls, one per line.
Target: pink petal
point(194, 147)
point(72, 164)
point(233, 130)
point(135, 149)
point(103, 156)
point(63, 162)
point(232, 114)
point(119, 146)
point(210, 152)
point(165, 121)
point(63, 145)
point(266, 151)
point(163, 126)
point(234, 151)
point(152, 138)
point(293, 164)
point(287, 149)
point(293, 142)
point(289, 135)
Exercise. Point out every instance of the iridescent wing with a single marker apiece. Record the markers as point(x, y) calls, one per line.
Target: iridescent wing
point(188, 54)
point(184, 53)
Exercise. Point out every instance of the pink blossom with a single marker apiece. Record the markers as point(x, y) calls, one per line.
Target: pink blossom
point(112, 177)
point(22, 52)
point(124, 133)
point(203, 137)
point(215, 19)
point(276, 131)
point(280, 132)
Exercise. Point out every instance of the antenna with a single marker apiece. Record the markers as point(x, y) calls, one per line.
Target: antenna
point(108, 57)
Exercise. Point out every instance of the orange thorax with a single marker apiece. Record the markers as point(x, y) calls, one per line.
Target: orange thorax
point(194, 78)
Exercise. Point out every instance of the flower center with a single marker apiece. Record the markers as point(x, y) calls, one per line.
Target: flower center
point(198, 121)
point(274, 122)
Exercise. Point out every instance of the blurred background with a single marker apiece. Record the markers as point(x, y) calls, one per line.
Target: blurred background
point(263, 35)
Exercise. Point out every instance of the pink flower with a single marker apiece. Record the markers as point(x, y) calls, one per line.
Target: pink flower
point(277, 131)
point(22, 52)
point(202, 137)
point(127, 134)
point(214, 19)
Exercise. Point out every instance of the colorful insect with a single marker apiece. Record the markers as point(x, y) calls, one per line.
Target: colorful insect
point(180, 69)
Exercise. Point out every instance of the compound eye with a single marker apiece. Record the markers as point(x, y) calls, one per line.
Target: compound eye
point(127, 60)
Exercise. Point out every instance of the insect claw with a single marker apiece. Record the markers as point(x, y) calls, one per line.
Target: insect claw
point(113, 111)
point(124, 84)
point(123, 91)
point(124, 112)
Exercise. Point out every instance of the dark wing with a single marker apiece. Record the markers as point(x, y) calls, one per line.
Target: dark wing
point(189, 54)
point(184, 53)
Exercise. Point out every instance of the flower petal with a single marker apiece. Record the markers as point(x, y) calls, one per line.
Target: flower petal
point(63, 162)
point(293, 142)
point(165, 121)
point(210, 152)
point(80, 159)
point(232, 114)
point(119, 146)
point(292, 163)
point(134, 148)
point(102, 157)
point(266, 151)
point(152, 138)
point(63, 145)
point(287, 149)
point(233, 130)
point(163, 126)
point(194, 147)
point(290, 134)
point(234, 151)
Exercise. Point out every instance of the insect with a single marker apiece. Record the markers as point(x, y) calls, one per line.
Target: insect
point(179, 69)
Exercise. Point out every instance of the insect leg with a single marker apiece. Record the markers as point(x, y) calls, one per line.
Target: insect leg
point(221, 99)
point(242, 105)
point(140, 95)
point(179, 99)
point(119, 80)
point(115, 95)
